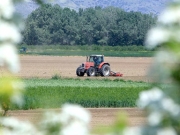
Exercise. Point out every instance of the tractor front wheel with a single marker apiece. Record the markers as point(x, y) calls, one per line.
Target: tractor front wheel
point(91, 71)
point(78, 72)
point(105, 70)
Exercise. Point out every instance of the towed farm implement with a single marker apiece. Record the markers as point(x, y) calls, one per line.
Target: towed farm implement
point(95, 66)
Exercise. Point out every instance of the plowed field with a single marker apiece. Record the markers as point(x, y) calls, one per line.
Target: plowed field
point(47, 66)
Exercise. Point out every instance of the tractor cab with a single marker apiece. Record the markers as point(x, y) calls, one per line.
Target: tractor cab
point(96, 59)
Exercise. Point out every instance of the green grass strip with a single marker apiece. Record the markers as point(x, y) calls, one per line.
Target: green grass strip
point(85, 53)
point(90, 93)
point(54, 97)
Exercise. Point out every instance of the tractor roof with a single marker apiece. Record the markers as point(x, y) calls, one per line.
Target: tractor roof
point(97, 55)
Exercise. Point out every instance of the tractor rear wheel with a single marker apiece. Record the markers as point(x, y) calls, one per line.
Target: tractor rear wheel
point(105, 70)
point(91, 71)
point(78, 72)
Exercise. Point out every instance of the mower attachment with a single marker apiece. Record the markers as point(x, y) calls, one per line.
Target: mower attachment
point(115, 74)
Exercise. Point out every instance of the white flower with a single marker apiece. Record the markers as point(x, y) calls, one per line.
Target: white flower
point(132, 131)
point(157, 36)
point(75, 128)
point(75, 120)
point(51, 120)
point(149, 96)
point(170, 15)
point(74, 112)
point(51, 117)
point(165, 58)
point(161, 68)
point(167, 131)
point(6, 8)
point(8, 55)
point(9, 32)
point(169, 105)
point(12, 126)
point(155, 118)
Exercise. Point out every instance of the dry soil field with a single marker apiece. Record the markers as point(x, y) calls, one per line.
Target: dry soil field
point(47, 66)
point(101, 117)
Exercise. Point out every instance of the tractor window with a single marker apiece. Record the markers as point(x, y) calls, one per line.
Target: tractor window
point(91, 59)
point(100, 59)
point(96, 59)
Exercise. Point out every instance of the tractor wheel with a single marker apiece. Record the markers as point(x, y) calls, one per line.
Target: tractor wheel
point(105, 70)
point(78, 72)
point(91, 71)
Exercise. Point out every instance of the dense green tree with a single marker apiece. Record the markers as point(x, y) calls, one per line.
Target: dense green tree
point(51, 24)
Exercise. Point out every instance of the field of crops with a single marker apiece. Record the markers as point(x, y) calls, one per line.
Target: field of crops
point(85, 53)
point(51, 93)
point(84, 50)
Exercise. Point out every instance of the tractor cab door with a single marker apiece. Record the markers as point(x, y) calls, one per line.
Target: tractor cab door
point(97, 60)
point(91, 59)
point(101, 59)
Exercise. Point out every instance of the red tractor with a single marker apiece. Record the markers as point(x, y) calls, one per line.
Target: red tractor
point(94, 66)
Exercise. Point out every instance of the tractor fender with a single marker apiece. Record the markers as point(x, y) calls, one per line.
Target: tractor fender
point(100, 65)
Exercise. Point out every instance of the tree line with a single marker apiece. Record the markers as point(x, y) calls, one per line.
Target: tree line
point(54, 25)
